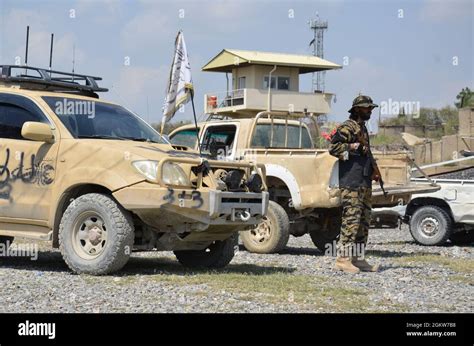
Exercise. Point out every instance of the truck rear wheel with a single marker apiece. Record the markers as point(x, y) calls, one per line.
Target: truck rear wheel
point(95, 235)
point(324, 232)
point(216, 255)
point(6, 240)
point(431, 225)
point(271, 235)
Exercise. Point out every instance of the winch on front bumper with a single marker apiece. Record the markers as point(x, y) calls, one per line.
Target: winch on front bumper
point(207, 204)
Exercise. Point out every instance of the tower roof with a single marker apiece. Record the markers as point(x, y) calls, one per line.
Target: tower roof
point(228, 59)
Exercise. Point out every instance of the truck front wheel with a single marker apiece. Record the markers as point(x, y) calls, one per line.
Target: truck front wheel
point(216, 255)
point(271, 235)
point(431, 225)
point(95, 235)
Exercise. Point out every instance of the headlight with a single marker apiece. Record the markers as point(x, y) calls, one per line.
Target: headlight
point(148, 168)
point(173, 174)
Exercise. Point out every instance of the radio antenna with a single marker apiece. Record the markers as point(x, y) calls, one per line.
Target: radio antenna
point(51, 53)
point(73, 59)
point(27, 41)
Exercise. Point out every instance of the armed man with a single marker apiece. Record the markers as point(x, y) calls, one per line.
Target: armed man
point(357, 169)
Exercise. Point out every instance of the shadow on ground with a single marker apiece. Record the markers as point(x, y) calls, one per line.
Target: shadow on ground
point(288, 250)
point(412, 242)
point(397, 253)
point(49, 261)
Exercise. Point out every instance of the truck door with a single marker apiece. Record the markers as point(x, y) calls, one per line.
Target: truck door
point(27, 168)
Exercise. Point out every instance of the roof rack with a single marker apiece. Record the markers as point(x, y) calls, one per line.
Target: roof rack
point(50, 80)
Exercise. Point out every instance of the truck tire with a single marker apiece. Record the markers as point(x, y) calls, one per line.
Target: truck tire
point(271, 235)
point(325, 233)
point(6, 241)
point(216, 255)
point(96, 235)
point(431, 225)
point(462, 237)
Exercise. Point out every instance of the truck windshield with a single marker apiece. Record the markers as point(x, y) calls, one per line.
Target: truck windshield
point(186, 137)
point(92, 119)
point(262, 137)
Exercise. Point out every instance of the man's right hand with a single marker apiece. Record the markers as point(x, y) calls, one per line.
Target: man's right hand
point(354, 146)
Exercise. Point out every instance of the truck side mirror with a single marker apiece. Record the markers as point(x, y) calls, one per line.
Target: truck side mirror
point(37, 132)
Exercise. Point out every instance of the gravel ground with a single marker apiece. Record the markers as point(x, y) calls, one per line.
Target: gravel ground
point(413, 278)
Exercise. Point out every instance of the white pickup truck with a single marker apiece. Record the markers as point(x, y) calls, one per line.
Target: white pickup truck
point(438, 216)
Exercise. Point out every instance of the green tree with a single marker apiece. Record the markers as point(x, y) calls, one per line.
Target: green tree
point(169, 127)
point(464, 98)
point(439, 122)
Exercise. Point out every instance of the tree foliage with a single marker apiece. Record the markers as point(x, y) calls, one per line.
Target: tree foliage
point(170, 127)
point(465, 98)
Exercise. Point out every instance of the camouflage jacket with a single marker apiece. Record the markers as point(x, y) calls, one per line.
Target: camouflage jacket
point(355, 169)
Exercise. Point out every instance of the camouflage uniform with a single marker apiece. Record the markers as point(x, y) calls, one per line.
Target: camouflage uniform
point(356, 207)
point(355, 182)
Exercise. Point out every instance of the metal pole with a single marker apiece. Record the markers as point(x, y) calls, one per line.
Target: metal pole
point(51, 54)
point(196, 124)
point(73, 60)
point(27, 40)
point(269, 106)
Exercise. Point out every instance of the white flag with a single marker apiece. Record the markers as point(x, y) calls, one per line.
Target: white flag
point(180, 85)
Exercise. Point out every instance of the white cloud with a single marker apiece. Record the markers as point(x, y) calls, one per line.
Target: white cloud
point(360, 76)
point(158, 22)
point(103, 12)
point(16, 20)
point(438, 10)
point(133, 85)
point(148, 28)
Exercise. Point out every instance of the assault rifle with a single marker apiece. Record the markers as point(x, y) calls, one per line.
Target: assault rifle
point(375, 168)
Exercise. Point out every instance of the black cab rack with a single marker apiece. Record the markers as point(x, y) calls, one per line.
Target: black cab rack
point(36, 78)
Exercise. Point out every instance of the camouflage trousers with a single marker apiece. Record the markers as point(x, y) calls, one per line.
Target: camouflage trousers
point(356, 208)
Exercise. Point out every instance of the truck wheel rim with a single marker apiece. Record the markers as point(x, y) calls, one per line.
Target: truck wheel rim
point(429, 226)
point(262, 232)
point(89, 235)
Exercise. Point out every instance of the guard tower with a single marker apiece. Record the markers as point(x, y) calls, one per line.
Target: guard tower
point(261, 81)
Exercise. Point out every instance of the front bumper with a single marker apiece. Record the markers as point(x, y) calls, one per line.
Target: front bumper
point(198, 209)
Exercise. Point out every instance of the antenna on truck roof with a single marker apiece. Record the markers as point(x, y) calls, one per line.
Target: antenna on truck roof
point(73, 59)
point(37, 78)
point(27, 41)
point(27, 48)
point(51, 53)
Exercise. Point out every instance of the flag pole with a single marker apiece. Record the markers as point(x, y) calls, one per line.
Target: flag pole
point(195, 122)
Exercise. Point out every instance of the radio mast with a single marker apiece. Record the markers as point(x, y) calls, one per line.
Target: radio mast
point(318, 26)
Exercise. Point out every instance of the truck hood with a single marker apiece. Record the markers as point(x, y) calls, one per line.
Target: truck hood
point(140, 150)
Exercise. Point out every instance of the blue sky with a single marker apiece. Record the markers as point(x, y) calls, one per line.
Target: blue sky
point(425, 56)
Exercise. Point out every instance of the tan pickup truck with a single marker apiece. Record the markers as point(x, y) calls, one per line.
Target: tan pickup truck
point(99, 182)
point(302, 180)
